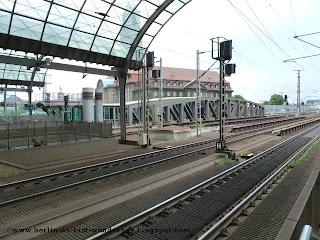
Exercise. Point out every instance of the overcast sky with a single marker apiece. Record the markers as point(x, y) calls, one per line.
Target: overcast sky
point(262, 35)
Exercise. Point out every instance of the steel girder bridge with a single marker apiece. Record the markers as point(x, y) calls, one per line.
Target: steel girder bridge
point(184, 109)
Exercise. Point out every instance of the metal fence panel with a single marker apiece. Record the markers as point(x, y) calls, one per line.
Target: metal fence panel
point(28, 134)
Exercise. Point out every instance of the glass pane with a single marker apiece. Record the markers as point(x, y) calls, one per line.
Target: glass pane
point(76, 5)
point(154, 29)
point(175, 6)
point(7, 4)
point(35, 8)
point(56, 35)
point(62, 16)
point(129, 6)
point(145, 9)
point(26, 27)
point(87, 24)
point(120, 50)
point(127, 35)
point(94, 6)
point(117, 15)
point(163, 17)
point(102, 45)
point(81, 40)
point(5, 20)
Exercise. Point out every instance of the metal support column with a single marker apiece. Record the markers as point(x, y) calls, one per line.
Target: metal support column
point(222, 112)
point(122, 87)
point(161, 94)
point(5, 100)
point(145, 102)
point(198, 96)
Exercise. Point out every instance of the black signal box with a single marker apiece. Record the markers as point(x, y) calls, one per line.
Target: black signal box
point(230, 69)
point(226, 50)
point(155, 74)
point(150, 59)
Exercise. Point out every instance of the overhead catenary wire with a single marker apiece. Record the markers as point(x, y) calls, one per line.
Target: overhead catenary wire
point(241, 15)
point(245, 16)
point(277, 14)
point(294, 27)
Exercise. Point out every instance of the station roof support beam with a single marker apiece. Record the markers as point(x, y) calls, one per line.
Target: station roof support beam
point(56, 66)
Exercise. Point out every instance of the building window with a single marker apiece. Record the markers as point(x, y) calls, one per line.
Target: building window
point(211, 94)
point(174, 84)
point(180, 94)
point(211, 86)
point(194, 94)
point(180, 84)
point(174, 94)
point(206, 94)
point(217, 86)
point(168, 84)
point(206, 85)
point(226, 86)
point(189, 94)
point(155, 93)
point(168, 94)
point(155, 83)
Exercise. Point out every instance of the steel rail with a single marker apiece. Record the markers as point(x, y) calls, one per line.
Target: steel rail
point(124, 159)
point(230, 215)
point(117, 172)
point(109, 162)
point(171, 201)
point(105, 175)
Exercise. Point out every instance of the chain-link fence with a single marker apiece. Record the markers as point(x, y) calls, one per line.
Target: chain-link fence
point(30, 134)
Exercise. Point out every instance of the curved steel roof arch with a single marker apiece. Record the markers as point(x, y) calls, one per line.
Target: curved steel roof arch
point(107, 32)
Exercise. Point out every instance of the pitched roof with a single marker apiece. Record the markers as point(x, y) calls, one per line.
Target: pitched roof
point(185, 74)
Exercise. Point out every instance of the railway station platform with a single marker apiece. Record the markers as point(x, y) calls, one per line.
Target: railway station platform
point(92, 151)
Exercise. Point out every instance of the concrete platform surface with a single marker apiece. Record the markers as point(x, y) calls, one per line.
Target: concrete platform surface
point(37, 157)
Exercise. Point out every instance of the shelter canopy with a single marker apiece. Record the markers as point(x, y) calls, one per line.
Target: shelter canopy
point(96, 31)
point(11, 74)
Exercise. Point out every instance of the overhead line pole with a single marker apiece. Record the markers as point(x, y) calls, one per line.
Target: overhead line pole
point(198, 96)
point(298, 94)
point(161, 93)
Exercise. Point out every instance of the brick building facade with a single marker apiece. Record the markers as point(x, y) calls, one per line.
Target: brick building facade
point(177, 82)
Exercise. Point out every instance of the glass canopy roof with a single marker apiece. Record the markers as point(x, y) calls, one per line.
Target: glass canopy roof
point(17, 72)
point(107, 27)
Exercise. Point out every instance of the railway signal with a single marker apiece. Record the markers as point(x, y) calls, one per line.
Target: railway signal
point(224, 47)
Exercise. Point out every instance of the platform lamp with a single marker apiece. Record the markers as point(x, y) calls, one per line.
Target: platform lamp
point(224, 47)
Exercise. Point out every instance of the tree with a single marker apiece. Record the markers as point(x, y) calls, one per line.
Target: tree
point(238, 96)
point(276, 99)
point(266, 103)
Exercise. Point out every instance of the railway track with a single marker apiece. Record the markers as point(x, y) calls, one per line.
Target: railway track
point(210, 123)
point(214, 203)
point(27, 188)
point(19, 190)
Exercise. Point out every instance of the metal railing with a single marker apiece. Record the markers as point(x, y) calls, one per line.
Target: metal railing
point(29, 134)
point(309, 233)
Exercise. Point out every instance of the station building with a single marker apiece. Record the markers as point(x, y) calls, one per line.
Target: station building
point(177, 82)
